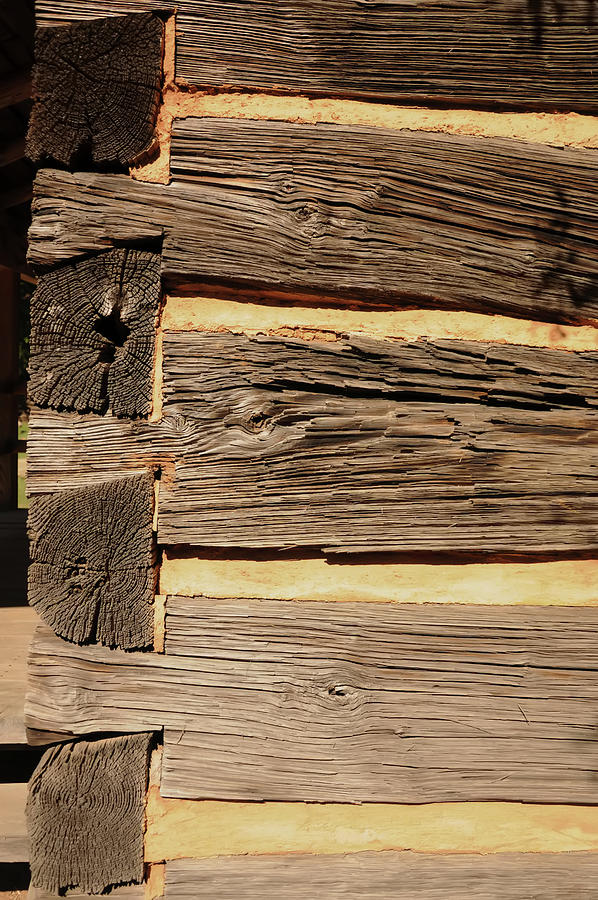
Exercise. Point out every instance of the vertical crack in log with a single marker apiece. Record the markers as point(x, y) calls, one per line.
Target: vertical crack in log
point(92, 574)
point(85, 814)
point(97, 88)
point(93, 332)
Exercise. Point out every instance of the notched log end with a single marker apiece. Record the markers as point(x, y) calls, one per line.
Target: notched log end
point(97, 90)
point(85, 814)
point(92, 574)
point(93, 333)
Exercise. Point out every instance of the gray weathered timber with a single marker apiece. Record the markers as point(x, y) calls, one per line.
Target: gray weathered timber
point(390, 217)
point(97, 90)
point(510, 52)
point(93, 331)
point(356, 445)
point(268, 700)
point(92, 576)
point(85, 814)
point(386, 876)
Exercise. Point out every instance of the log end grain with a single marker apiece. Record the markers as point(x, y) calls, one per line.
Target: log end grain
point(85, 814)
point(92, 576)
point(93, 334)
point(97, 90)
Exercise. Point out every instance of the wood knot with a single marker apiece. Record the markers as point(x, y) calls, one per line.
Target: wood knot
point(337, 690)
point(312, 220)
point(257, 421)
point(343, 695)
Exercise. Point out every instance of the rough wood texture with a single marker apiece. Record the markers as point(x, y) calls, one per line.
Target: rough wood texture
point(16, 630)
point(377, 702)
point(509, 52)
point(93, 330)
point(85, 814)
point(364, 445)
point(386, 876)
point(97, 90)
point(392, 217)
point(91, 576)
point(354, 446)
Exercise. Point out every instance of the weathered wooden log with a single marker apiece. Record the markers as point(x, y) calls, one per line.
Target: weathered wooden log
point(510, 52)
point(91, 576)
point(355, 445)
point(93, 331)
point(97, 90)
point(386, 876)
point(387, 217)
point(267, 700)
point(85, 814)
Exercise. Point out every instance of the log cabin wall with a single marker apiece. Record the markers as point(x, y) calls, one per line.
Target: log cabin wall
point(313, 455)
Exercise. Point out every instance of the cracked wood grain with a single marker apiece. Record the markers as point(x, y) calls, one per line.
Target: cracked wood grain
point(97, 89)
point(92, 575)
point(393, 218)
point(93, 331)
point(355, 445)
point(85, 814)
point(508, 53)
point(271, 700)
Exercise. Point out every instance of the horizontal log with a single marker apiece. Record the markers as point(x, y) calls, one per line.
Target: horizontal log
point(386, 876)
point(264, 700)
point(509, 53)
point(353, 446)
point(484, 224)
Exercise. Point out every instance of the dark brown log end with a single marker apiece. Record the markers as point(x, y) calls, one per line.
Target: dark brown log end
point(85, 814)
point(93, 330)
point(92, 574)
point(97, 90)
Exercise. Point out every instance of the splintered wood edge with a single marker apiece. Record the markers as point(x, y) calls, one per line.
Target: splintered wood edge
point(204, 828)
point(326, 322)
point(564, 583)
